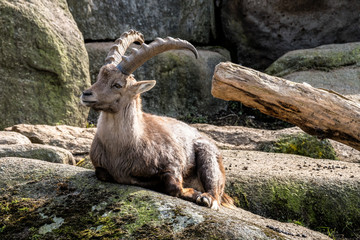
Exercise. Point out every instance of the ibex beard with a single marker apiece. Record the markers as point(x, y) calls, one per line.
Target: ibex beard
point(136, 148)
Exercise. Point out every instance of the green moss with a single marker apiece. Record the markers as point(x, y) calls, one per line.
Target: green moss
point(304, 145)
point(119, 212)
point(40, 83)
point(315, 207)
point(289, 197)
point(62, 204)
point(239, 195)
point(113, 218)
point(191, 118)
point(90, 125)
point(323, 59)
point(18, 213)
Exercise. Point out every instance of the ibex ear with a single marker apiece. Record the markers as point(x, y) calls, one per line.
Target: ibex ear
point(143, 86)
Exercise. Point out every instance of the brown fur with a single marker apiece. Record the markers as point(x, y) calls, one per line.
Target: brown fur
point(160, 153)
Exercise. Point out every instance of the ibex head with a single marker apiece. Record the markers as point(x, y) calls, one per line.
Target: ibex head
point(115, 85)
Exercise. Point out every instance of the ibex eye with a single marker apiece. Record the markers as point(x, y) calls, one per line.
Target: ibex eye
point(116, 85)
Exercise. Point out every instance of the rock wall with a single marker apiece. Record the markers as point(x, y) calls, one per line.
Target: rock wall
point(335, 67)
point(183, 83)
point(262, 31)
point(255, 32)
point(188, 19)
point(43, 64)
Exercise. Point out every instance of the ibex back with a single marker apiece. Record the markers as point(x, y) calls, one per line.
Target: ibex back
point(133, 147)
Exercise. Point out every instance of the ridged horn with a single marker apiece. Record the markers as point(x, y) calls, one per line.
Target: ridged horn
point(139, 56)
point(121, 44)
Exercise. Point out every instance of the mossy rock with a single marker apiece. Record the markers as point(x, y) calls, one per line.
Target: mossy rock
point(43, 64)
point(262, 31)
point(320, 194)
point(183, 85)
point(56, 201)
point(335, 67)
point(303, 144)
point(307, 204)
point(323, 58)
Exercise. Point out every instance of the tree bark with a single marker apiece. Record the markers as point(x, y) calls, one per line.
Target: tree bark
point(319, 112)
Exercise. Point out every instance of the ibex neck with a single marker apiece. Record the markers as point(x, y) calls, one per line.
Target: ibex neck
point(124, 127)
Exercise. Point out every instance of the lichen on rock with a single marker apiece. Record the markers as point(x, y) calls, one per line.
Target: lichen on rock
point(335, 67)
point(314, 192)
point(73, 204)
point(43, 64)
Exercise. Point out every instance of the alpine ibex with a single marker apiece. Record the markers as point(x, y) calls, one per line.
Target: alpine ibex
point(133, 147)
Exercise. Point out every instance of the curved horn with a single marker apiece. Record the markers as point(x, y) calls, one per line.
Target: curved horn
point(121, 44)
point(139, 56)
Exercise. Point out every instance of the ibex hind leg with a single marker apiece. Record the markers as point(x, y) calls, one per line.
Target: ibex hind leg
point(210, 172)
point(174, 187)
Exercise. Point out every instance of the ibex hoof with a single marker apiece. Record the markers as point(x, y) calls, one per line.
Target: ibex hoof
point(207, 201)
point(203, 201)
point(215, 205)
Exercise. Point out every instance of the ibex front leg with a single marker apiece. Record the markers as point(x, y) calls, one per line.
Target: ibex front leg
point(103, 175)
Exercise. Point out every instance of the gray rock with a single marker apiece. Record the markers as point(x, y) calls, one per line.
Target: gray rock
point(97, 52)
point(114, 210)
point(74, 139)
point(183, 86)
point(37, 151)
point(335, 67)
point(244, 138)
point(7, 138)
point(102, 20)
point(78, 140)
point(314, 192)
point(262, 31)
point(43, 64)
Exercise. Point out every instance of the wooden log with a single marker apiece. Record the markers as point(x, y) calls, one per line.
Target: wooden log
point(319, 112)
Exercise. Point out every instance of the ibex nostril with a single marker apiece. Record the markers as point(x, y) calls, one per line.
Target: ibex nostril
point(87, 93)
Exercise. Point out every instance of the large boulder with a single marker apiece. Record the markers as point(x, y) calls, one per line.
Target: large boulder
point(101, 20)
point(74, 139)
point(43, 64)
point(244, 138)
point(261, 182)
point(320, 194)
point(183, 86)
point(261, 31)
point(9, 138)
point(54, 201)
point(97, 52)
point(78, 140)
point(38, 151)
point(334, 67)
